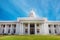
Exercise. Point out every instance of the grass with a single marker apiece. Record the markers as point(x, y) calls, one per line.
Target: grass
point(29, 37)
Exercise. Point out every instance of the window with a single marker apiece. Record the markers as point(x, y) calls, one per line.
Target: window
point(9, 31)
point(49, 31)
point(9, 25)
point(14, 25)
point(55, 31)
point(3, 25)
point(55, 26)
point(37, 30)
point(26, 25)
point(14, 30)
point(32, 25)
point(37, 25)
point(49, 26)
point(26, 30)
point(3, 31)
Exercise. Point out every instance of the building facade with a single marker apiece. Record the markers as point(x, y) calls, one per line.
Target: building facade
point(30, 25)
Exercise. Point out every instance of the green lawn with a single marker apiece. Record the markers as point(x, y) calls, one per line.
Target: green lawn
point(30, 37)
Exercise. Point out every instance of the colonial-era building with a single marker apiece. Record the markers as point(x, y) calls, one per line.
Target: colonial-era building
point(30, 25)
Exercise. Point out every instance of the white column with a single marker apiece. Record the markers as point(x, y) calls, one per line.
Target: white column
point(0, 29)
point(52, 29)
point(28, 28)
point(58, 29)
point(11, 29)
point(35, 29)
point(22, 29)
point(17, 28)
point(45, 28)
point(5, 29)
point(42, 30)
point(39, 28)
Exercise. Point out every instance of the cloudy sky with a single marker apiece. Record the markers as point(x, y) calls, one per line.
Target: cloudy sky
point(11, 9)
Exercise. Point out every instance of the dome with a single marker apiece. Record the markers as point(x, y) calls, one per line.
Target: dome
point(32, 13)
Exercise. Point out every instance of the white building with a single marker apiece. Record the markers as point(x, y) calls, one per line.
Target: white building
point(30, 25)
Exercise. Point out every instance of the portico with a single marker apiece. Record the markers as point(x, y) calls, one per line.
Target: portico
point(31, 28)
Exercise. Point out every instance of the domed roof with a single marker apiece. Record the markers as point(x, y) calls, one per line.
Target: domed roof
point(32, 13)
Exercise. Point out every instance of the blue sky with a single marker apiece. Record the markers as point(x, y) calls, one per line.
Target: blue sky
point(11, 9)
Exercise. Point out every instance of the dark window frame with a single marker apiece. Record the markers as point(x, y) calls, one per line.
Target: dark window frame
point(49, 31)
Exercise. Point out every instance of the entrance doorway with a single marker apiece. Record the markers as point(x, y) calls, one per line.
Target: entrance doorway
point(32, 29)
